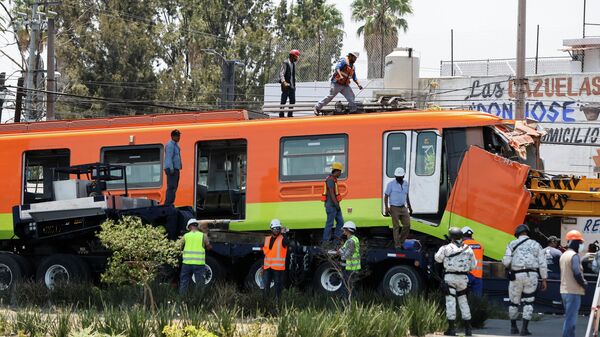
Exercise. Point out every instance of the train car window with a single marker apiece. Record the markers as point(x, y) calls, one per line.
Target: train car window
point(143, 165)
point(396, 153)
point(38, 173)
point(426, 152)
point(310, 157)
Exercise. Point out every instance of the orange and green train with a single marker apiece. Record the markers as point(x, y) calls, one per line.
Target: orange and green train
point(250, 171)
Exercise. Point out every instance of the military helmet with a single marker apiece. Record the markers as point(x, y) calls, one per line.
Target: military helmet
point(454, 233)
point(520, 229)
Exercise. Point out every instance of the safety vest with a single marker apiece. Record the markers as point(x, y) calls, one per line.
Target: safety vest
point(338, 196)
point(478, 251)
point(274, 257)
point(193, 251)
point(353, 262)
point(349, 70)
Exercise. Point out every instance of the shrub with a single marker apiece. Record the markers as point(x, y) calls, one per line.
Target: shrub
point(139, 251)
point(187, 331)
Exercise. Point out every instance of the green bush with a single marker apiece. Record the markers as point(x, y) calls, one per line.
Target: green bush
point(138, 252)
point(187, 331)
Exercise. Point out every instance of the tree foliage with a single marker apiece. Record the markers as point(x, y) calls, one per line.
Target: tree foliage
point(138, 251)
point(382, 19)
point(161, 55)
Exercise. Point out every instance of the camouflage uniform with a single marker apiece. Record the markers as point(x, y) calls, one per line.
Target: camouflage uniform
point(531, 260)
point(456, 269)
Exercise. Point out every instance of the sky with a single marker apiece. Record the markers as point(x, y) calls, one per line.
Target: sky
point(482, 30)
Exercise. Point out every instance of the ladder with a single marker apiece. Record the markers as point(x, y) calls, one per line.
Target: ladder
point(594, 320)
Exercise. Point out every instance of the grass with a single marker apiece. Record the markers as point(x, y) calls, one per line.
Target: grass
point(222, 311)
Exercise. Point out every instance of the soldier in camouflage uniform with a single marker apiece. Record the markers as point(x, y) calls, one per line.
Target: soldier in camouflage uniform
point(458, 259)
point(525, 259)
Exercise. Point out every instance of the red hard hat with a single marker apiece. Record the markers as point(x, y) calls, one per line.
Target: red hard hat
point(295, 52)
point(574, 235)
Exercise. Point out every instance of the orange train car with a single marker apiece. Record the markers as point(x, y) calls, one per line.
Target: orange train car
point(249, 171)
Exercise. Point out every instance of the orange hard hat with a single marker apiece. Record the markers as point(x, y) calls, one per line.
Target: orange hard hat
point(295, 52)
point(574, 235)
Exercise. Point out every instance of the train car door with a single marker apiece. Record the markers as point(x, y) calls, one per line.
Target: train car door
point(418, 152)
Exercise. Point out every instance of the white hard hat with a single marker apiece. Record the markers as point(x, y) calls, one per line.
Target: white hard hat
point(399, 172)
point(467, 230)
point(349, 225)
point(191, 221)
point(355, 53)
point(275, 223)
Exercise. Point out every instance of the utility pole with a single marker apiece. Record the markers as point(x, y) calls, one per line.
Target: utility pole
point(50, 84)
point(227, 79)
point(19, 100)
point(2, 92)
point(34, 22)
point(451, 52)
point(228, 84)
point(520, 75)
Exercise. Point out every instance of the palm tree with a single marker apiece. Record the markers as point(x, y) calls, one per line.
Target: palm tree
point(382, 21)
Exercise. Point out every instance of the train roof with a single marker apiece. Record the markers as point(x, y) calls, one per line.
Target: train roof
point(429, 118)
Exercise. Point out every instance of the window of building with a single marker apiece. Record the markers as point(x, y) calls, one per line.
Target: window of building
point(426, 153)
point(143, 165)
point(396, 153)
point(310, 157)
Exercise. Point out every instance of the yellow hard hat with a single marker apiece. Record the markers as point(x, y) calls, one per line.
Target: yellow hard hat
point(337, 166)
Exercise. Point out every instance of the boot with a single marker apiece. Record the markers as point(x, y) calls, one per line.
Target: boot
point(450, 331)
point(524, 330)
point(514, 330)
point(468, 329)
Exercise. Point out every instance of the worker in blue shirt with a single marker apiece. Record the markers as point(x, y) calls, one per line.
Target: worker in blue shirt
point(397, 205)
point(340, 83)
point(172, 166)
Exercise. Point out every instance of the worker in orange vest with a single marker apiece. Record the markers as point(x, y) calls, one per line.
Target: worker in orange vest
point(275, 250)
point(476, 275)
point(331, 197)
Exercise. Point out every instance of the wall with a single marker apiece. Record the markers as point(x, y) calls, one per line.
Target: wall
point(567, 106)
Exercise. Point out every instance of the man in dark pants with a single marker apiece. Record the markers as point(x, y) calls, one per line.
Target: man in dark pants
point(287, 78)
point(331, 197)
point(194, 257)
point(172, 166)
point(275, 250)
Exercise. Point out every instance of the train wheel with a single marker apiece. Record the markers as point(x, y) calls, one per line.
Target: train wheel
point(62, 268)
point(327, 279)
point(400, 281)
point(254, 279)
point(11, 271)
point(214, 272)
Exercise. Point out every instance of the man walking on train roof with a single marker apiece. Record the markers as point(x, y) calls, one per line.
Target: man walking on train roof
point(172, 166)
point(396, 201)
point(332, 198)
point(340, 83)
point(287, 78)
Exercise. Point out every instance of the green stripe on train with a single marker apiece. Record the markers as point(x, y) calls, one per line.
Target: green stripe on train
point(494, 241)
point(365, 213)
point(6, 226)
